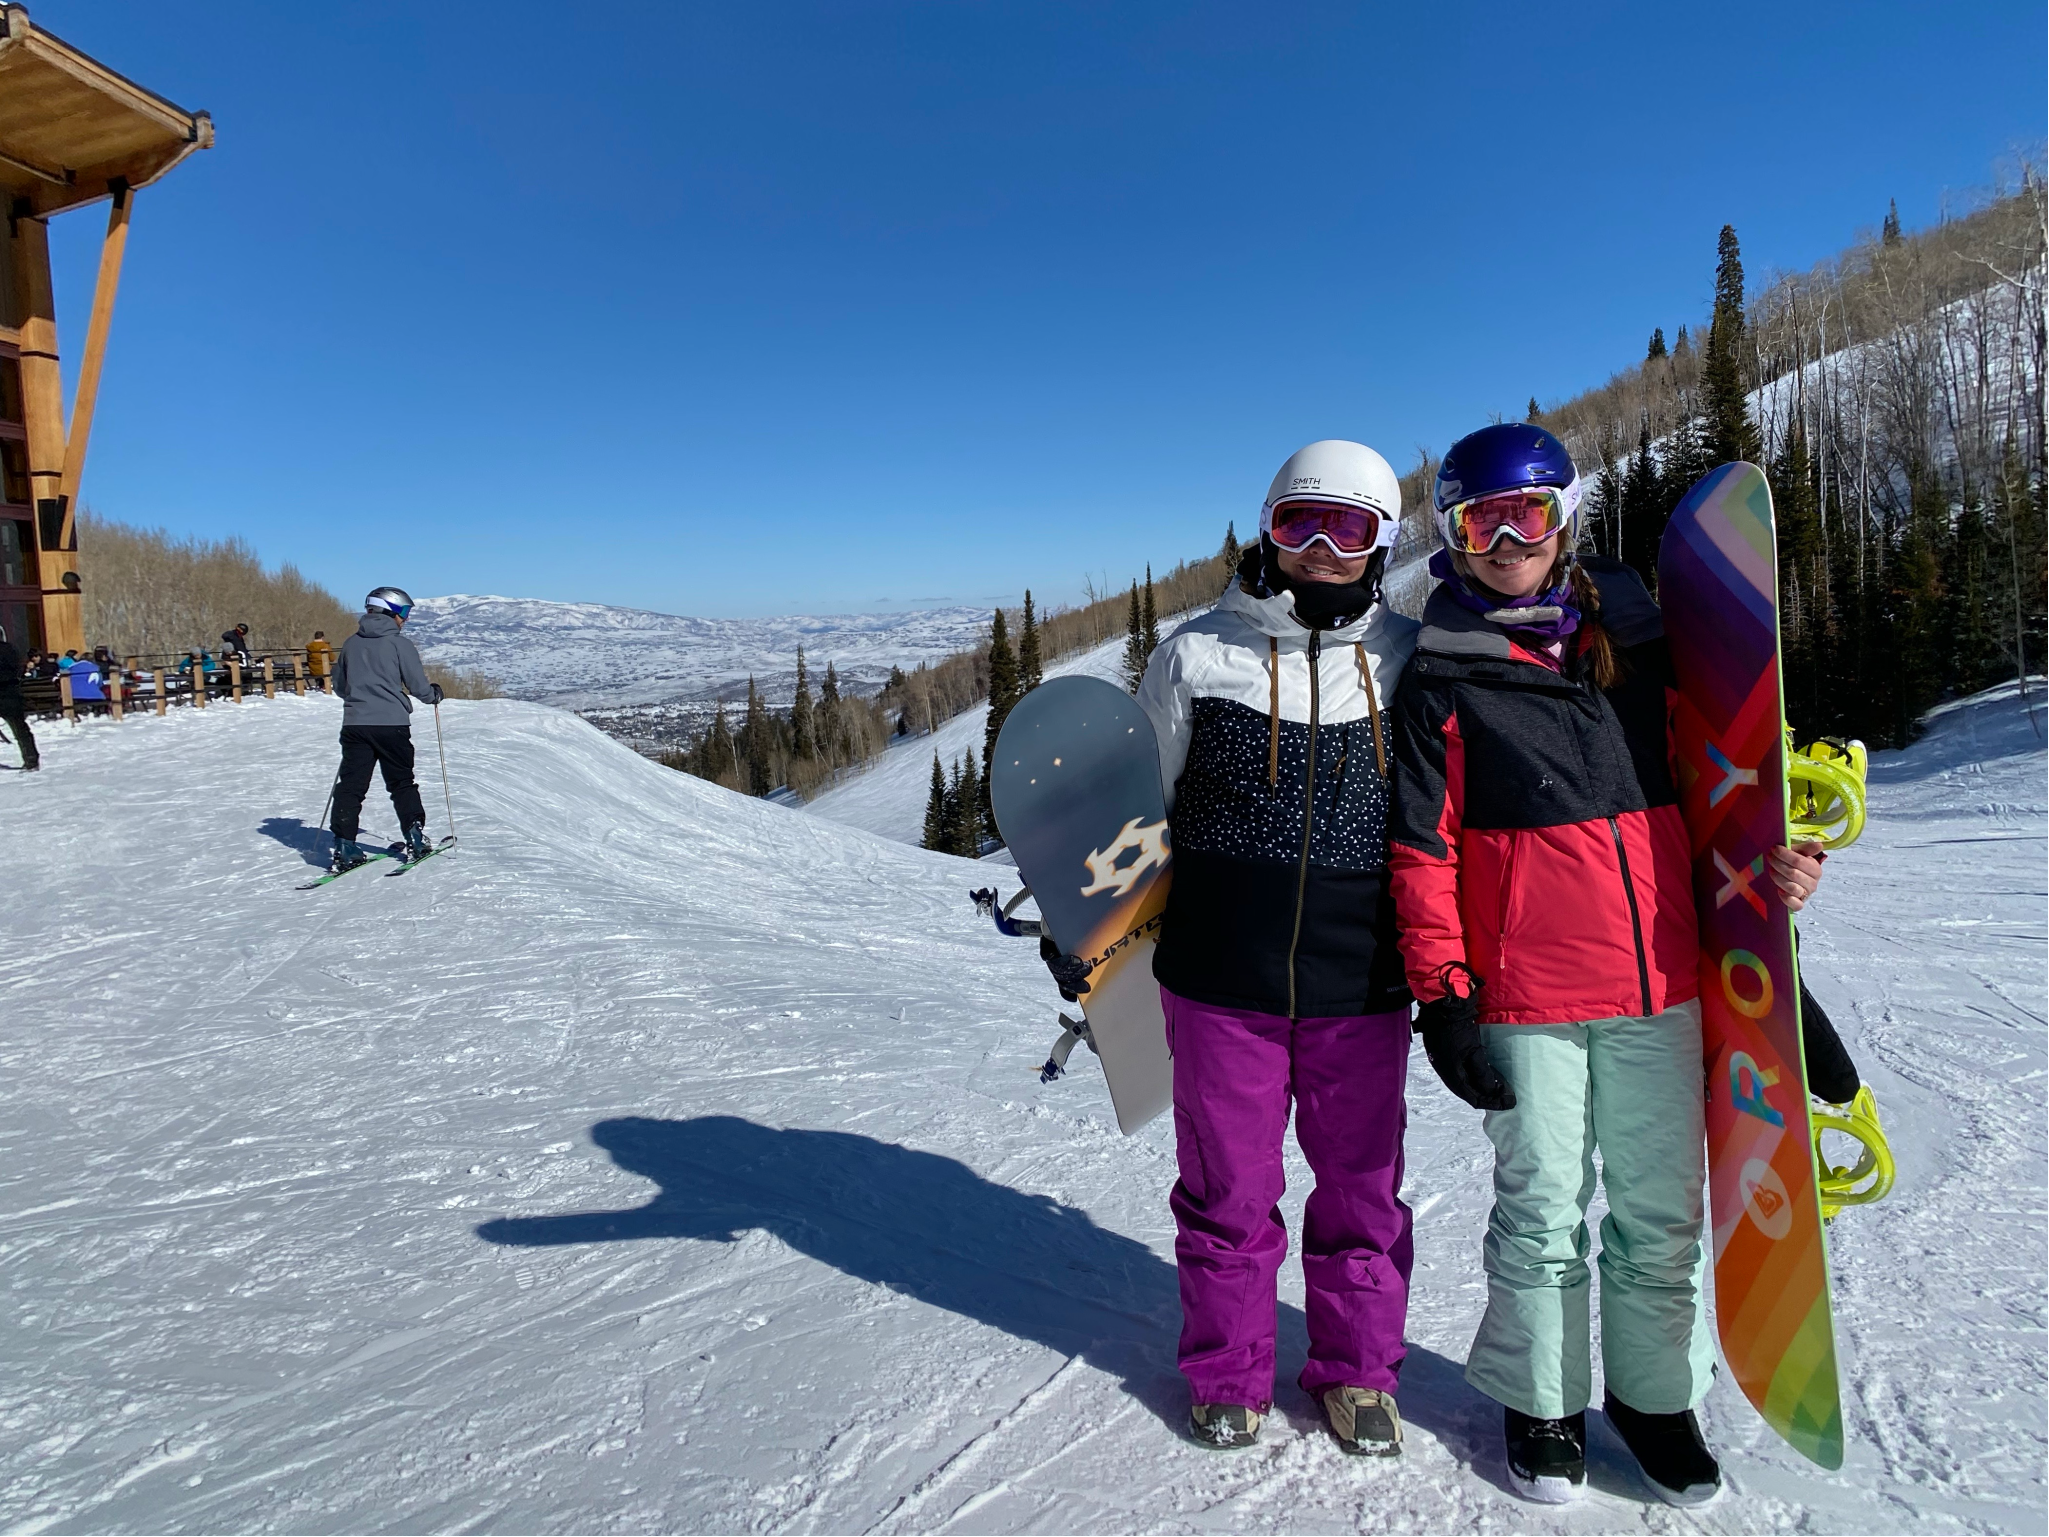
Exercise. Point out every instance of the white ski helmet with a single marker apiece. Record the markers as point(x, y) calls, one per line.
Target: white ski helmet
point(1338, 470)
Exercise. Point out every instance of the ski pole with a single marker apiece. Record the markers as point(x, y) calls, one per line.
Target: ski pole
point(446, 799)
point(333, 785)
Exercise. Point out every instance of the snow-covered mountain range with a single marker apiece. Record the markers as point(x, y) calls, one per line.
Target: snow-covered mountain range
point(591, 655)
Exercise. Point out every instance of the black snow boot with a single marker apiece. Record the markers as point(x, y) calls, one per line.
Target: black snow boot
point(1670, 1450)
point(348, 854)
point(1225, 1427)
point(1547, 1459)
point(417, 846)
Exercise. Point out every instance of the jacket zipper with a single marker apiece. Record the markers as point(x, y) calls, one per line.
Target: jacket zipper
point(1643, 969)
point(1309, 819)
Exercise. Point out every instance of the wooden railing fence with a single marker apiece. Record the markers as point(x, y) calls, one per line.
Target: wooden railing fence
point(155, 684)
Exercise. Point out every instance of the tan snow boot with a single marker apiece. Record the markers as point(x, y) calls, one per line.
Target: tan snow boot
point(1365, 1421)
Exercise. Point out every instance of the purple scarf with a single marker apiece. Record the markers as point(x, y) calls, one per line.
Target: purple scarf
point(1542, 616)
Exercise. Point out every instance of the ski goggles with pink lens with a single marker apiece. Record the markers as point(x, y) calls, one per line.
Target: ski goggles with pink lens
point(1528, 515)
point(1349, 529)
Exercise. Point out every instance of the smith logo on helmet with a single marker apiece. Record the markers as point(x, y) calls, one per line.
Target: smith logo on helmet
point(1306, 482)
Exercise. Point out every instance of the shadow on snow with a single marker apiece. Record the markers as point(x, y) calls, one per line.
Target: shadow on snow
point(930, 1228)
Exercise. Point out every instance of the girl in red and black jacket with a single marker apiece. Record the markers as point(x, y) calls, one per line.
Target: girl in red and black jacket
point(1544, 887)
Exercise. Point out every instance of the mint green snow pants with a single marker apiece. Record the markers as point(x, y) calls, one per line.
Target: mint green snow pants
point(1632, 1088)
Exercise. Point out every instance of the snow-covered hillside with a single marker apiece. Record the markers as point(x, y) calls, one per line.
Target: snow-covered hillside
point(667, 1160)
point(888, 796)
point(588, 655)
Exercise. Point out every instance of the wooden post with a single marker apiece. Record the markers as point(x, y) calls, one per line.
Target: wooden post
point(199, 684)
point(163, 687)
point(235, 678)
point(113, 693)
point(42, 390)
point(111, 251)
point(299, 673)
point(269, 680)
point(64, 699)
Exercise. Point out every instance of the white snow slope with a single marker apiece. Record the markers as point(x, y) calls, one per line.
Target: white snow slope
point(589, 655)
point(665, 1160)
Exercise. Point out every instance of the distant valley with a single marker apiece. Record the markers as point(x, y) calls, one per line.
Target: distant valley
point(594, 657)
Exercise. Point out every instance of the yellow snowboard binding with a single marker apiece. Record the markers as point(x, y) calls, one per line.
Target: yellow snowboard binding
point(1825, 790)
point(1870, 1176)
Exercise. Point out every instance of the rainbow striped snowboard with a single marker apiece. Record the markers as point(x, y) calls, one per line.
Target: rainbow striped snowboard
point(1718, 586)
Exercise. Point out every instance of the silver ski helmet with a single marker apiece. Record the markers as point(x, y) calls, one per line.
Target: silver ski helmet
point(395, 601)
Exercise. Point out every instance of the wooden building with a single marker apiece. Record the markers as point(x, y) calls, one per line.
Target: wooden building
point(72, 133)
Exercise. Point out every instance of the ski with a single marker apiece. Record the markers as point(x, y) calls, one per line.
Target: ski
point(335, 875)
point(414, 863)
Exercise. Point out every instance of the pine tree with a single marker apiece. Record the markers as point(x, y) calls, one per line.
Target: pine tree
point(1657, 347)
point(1134, 645)
point(1889, 232)
point(1535, 415)
point(757, 744)
point(829, 691)
point(936, 829)
point(1730, 432)
point(1030, 672)
point(1231, 550)
point(1643, 509)
point(1004, 693)
point(967, 809)
point(803, 732)
point(715, 756)
point(1682, 345)
point(896, 679)
point(1796, 510)
point(1686, 457)
point(1149, 621)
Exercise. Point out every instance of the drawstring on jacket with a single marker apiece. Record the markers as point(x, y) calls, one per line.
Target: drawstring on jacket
point(1372, 704)
point(1273, 713)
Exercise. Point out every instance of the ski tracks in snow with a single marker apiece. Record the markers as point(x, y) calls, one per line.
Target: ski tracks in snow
point(669, 1161)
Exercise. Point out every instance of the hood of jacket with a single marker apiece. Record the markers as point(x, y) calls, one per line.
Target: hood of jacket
point(376, 624)
point(1275, 616)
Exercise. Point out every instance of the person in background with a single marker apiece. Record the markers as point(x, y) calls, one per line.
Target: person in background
point(378, 676)
point(320, 657)
point(235, 643)
point(47, 667)
point(13, 708)
point(87, 687)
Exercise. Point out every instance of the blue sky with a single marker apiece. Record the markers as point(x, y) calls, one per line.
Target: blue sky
point(766, 308)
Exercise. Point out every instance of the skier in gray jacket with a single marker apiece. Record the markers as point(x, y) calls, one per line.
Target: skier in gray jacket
point(376, 673)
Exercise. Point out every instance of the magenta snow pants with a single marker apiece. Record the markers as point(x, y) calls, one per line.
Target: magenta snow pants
point(1234, 1074)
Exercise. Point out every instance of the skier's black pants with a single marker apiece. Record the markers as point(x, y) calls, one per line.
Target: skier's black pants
point(365, 747)
point(24, 738)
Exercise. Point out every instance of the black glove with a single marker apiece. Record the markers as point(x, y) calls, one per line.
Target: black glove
point(1452, 1035)
point(1068, 970)
point(435, 688)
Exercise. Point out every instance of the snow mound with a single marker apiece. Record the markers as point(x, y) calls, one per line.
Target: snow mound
point(666, 1160)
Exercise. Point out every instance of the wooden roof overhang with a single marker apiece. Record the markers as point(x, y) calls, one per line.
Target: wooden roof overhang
point(72, 131)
